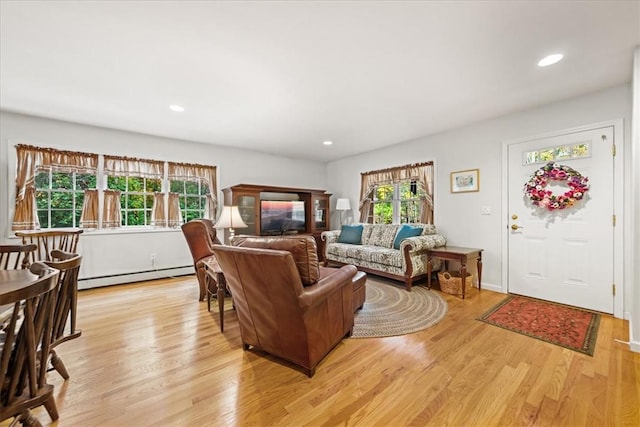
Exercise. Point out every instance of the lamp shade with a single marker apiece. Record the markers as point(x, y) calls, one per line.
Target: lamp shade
point(343, 205)
point(230, 218)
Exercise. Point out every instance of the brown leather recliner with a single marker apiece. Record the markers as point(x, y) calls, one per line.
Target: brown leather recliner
point(284, 307)
point(201, 236)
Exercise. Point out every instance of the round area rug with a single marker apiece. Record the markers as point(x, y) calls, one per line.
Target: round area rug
point(390, 310)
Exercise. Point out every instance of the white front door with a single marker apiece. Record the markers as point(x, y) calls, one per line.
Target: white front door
point(563, 255)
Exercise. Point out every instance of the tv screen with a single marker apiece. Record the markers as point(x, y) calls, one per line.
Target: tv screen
point(280, 217)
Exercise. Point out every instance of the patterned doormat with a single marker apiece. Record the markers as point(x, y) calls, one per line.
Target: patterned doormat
point(390, 310)
point(566, 326)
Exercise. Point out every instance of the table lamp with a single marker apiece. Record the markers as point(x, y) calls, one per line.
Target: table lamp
point(342, 205)
point(230, 218)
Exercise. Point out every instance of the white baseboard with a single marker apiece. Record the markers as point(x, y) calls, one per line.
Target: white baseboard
point(633, 344)
point(119, 279)
point(492, 287)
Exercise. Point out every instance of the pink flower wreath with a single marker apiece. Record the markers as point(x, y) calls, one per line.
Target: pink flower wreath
point(534, 189)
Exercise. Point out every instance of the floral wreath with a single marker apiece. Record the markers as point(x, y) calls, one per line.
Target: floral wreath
point(534, 189)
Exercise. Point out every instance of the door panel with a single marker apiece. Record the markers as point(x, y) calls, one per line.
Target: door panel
point(565, 255)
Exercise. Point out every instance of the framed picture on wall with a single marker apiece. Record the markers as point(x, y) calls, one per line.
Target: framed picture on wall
point(465, 181)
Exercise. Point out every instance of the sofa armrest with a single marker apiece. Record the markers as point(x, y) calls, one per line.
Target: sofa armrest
point(330, 236)
point(314, 294)
point(421, 243)
point(418, 244)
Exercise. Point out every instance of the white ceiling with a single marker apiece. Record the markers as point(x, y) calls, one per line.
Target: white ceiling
point(281, 77)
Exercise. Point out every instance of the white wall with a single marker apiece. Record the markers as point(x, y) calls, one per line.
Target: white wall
point(634, 231)
point(117, 253)
point(457, 216)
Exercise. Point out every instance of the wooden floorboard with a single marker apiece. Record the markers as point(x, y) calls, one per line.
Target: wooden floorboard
point(151, 355)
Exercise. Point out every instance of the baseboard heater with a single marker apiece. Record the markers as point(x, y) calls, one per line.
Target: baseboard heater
point(137, 276)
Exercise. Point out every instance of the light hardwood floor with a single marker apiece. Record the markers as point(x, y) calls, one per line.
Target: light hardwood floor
point(151, 355)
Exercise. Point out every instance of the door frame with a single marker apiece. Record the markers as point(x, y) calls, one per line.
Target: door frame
point(618, 208)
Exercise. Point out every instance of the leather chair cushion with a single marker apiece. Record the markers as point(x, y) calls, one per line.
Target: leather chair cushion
point(302, 248)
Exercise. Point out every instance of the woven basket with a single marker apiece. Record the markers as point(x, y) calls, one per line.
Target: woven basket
point(451, 282)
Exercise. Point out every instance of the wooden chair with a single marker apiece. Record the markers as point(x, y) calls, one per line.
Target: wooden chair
point(201, 236)
point(25, 348)
point(65, 308)
point(48, 240)
point(10, 256)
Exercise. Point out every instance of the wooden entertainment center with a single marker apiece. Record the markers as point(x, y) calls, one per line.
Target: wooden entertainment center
point(248, 198)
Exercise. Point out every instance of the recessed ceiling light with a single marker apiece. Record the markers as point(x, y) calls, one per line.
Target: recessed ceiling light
point(177, 108)
point(550, 60)
point(328, 142)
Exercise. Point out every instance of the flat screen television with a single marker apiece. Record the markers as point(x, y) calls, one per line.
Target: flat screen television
point(281, 216)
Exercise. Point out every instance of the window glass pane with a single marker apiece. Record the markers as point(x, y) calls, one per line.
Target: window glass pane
point(546, 155)
point(136, 217)
point(42, 200)
point(409, 212)
point(62, 180)
point(147, 216)
point(531, 157)
point(43, 218)
point(135, 201)
point(193, 202)
point(61, 200)
point(61, 218)
point(191, 215)
point(135, 183)
point(581, 150)
point(149, 200)
point(563, 152)
point(382, 213)
point(204, 189)
point(192, 187)
point(383, 192)
point(79, 199)
point(154, 185)
point(117, 183)
point(176, 186)
point(42, 180)
point(85, 181)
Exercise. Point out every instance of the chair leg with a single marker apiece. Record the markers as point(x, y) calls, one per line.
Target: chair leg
point(50, 406)
point(28, 420)
point(58, 365)
point(245, 347)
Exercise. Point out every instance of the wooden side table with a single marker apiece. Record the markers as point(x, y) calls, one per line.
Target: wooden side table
point(455, 253)
point(215, 283)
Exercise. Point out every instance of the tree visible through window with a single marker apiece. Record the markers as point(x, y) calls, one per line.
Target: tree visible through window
point(192, 196)
point(136, 198)
point(59, 197)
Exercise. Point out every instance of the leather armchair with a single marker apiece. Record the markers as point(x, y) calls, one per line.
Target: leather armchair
point(277, 313)
point(201, 236)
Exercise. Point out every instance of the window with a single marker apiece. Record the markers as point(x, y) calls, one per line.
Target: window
point(136, 199)
point(193, 197)
point(397, 203)
point(60, 195)
point(58, 189)
point(397, 195)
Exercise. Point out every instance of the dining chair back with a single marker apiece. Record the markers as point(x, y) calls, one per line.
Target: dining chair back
point(48, 240)
point(13, 257)
point(25, 341)
point(65, 308)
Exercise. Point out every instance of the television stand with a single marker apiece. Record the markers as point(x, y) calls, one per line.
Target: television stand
point(248, 196)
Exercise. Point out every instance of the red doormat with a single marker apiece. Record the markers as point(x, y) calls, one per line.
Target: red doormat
point(569, 327)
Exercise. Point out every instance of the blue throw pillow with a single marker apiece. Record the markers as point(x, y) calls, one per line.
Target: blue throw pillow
point(405, 232)
point(351, 234)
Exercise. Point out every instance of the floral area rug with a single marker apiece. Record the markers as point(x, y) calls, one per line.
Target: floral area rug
point(390, 310)
point(566, 326)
